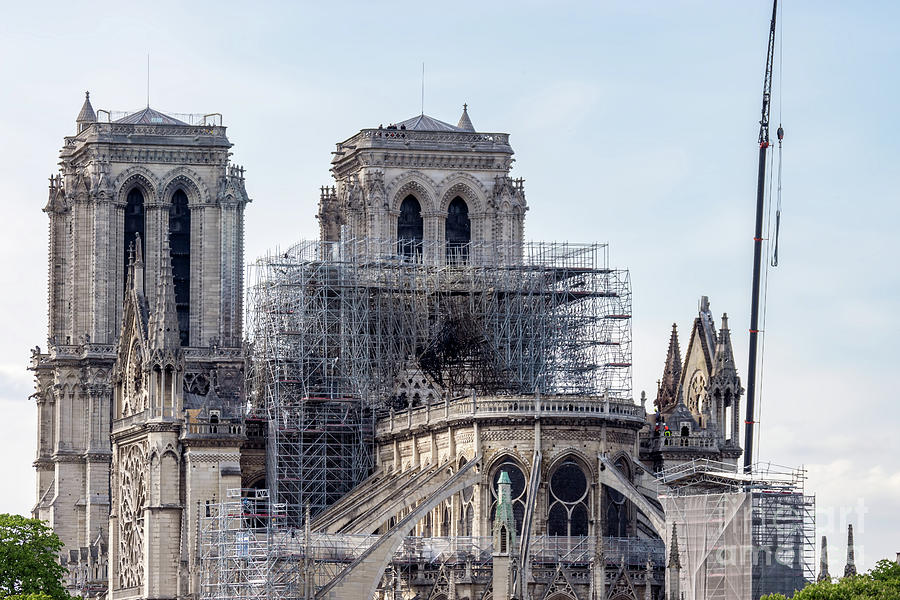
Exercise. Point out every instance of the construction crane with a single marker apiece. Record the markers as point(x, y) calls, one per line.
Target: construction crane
point(757, 244)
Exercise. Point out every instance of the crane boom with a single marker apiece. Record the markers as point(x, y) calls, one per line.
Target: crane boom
point(757, 245)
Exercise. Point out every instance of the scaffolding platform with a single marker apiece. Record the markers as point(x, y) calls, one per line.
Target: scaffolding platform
point(336, 328)
point(740, 535)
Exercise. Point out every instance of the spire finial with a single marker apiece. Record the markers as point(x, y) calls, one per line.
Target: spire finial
point(465, 123)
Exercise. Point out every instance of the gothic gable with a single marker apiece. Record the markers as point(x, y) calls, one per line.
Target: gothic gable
point(622, 588)
point(698, 365)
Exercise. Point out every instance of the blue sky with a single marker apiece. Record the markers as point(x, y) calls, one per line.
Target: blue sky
point(633, 124)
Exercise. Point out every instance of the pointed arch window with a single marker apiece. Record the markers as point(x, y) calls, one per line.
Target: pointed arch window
point(458, 232)
point(618, 519)
point(180, 248)
point(134, 226)
point(410, 229)
point(518, 490)
point(568, 501)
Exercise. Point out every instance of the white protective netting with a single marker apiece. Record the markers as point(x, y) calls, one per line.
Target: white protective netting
point(715, 543)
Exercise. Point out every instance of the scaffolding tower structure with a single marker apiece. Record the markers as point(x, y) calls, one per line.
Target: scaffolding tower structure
point(740, 535)
point(336, 326)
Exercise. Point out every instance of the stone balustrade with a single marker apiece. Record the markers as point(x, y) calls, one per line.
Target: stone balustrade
point(472, 407)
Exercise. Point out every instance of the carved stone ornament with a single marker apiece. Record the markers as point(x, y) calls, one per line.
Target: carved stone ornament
point(132, 498)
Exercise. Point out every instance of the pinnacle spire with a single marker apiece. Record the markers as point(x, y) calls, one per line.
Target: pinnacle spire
point(504, 519)
point(163, 327)
point(723, 362)
point(850, 567)
point(667, 395)
point(87, 115)
point(674, 556)
point(824, 575)
point(465, 123)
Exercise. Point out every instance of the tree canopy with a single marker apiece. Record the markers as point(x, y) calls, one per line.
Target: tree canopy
point(880, 583)
point(28, 560)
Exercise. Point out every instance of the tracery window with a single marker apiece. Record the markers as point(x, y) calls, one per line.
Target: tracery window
point(465, 525)
point(568, 514)
point(132, 496)
point(617, 518)
point(517, 490)
point(458, 231)
point(180, 248)
point(410, 230)
point(696, 390)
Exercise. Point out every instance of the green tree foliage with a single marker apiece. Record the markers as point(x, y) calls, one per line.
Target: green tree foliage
point(880, 583)
point(28, 565)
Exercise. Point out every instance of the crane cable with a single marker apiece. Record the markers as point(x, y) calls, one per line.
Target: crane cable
point(772, 244)
point(780, 134)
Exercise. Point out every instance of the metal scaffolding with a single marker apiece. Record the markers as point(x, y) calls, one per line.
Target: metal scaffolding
point(248, 551)
point(338, 330)
point(740, 535)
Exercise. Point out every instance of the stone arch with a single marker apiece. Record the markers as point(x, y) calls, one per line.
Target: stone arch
point(575, 453)
point(187, 180)
point(417, 184)
point(468, 187)
point(628, 462)
point(418, 191)
point(136, 176)
point(498, 458)
point(253, 479)
point(465, 189)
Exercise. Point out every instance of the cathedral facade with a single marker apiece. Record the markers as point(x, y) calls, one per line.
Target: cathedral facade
point(144, 358)
point(143, 392)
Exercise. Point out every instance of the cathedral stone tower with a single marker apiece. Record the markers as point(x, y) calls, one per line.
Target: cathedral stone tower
point(423, 180)
point(157, 193)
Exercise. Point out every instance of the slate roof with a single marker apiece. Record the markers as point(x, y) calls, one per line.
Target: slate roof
point(149, 116)
point(426, 123)
point(87, 111)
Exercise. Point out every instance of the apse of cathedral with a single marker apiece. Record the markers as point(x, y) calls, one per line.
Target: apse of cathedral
point(457, 398)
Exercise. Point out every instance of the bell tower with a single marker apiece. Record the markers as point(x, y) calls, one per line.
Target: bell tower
point(156, 192)
point(434, 191)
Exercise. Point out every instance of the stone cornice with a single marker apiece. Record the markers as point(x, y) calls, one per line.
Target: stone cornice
point(67, 457)
point(98, 456)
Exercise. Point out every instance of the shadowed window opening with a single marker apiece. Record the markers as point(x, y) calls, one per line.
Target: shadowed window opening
point(410, 228)
point(134, 225)
point(180, 245)
point(458, 232)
